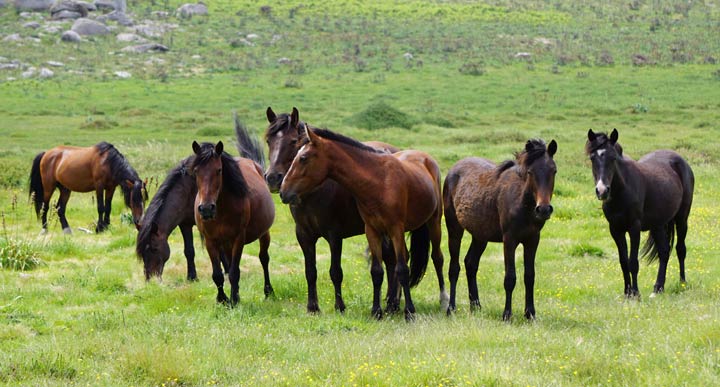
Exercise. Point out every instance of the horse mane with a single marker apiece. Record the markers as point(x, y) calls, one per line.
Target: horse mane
point(332, 136)
point(600, 140)
point(120, 170)
point(534, 149)
point(158, 202)
point(233, 179)
point(281, 122)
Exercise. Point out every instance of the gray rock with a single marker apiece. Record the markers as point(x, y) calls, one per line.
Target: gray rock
point(67, 8)
point(190, 10)
point(128, 37)
point(9, 66)
point(52, 29)
point(29, 73)
point(46, 73)
point(33, 5)
point(89, 27)
point(3, 3)
point(55, 63)
point(12, 38)
point(123, 74)
point(142, 48)
point(154, 29)
point(89, 6)
point(66, 15)
point(523, 55)
point(70, 36)
point(121, 18)
point(34, 25)
point(160, 14)
point(105, 5)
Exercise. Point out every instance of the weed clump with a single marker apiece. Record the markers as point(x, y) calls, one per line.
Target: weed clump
point(18, 254)
point(381, 115)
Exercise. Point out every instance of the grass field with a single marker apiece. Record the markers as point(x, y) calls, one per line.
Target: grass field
point(82, 313)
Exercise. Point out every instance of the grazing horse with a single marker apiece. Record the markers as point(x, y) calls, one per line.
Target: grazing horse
point(98, 168)
point(328, 212)
point(394, 193)
point(654, 193)
point(233, 207)
point(174, 206)
point(508, 203)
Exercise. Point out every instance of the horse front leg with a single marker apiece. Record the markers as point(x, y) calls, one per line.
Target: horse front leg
point(109, 193)
point(217, 274)
point(618, 236)
point(189, 251)
point(100, 199)
point(264, 262)
point(529, 251)
point(336, 272)
point(61, 206)
point(307, 244)
point(509, 246)
point(374, 239)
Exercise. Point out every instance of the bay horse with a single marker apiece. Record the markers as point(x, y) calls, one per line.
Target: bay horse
point(233, 207)
point(394, 193)
point(507, 203)
point(100, 168)
point(654, 193)
point(329, 212)
point(174, 206)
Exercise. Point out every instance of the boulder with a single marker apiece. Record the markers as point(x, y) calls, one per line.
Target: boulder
point(2, 3)
point(89, 27)
point(12, 38)
point(123, 74)
point(67, 9)
point(46, 73)
point(33, 24)
point(142, 48)
point(66, 15)
point(105, 5)
point(128, 37)
point(33, 5)
point(190, 10)
point(70, 36)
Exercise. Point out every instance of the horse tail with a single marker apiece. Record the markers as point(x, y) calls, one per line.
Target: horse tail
point(37, 192)
point(419, 253)
point(248, 145)
point(650, 250)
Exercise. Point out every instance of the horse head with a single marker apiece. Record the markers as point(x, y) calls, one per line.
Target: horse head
point(309, 168)
point(604, 151)
point(153, 249)
point(282, 136)
point(540, 170)
point(207, 167)
point(138, 197)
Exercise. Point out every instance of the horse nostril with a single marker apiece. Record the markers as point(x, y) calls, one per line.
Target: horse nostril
point(550, 209)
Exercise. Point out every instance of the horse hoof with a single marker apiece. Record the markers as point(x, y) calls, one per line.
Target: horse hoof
point(313, 309)
point(507, 315)
point(444, 300)
point(450, 311)
point(409, 316)
point(269, 291)
point(340, 307)
point(377, 314)
point(43, 231)
point(67, 231)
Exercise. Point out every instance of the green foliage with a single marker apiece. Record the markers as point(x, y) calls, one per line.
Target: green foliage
point(19, 254)
point(585, 250)
point(380, 115)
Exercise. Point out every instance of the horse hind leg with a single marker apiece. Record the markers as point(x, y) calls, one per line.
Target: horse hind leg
point(61, 206)
point(455, 234)
point(438, 261)
point(662, 243)
point(264, 261)
point(336, 272)
point(472, 262)
point(681, 228)
point(307, 244)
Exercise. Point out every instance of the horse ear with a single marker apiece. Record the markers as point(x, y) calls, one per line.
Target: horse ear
point(294, 118)
point(219, 148)
point(552, 148)
point(614, 136)
point(270, 115)
point(196, 147)
point(311, 136)
point(591, 135)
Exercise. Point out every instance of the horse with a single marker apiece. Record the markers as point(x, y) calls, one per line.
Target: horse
point(98, 168)
point(394, 193)
point(329, 212)
point(173, 206)
point(233, 207)
point(507, 203)
point(654, 193)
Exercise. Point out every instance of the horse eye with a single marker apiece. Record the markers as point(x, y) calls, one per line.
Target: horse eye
point(293, 142)
point(219, 171)
point(303, 158)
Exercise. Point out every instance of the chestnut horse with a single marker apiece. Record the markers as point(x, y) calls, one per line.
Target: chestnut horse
point(98, 168)
point(654, 193)
point(508, 203)
point(328, 212)
point(394, 192)
point(233, 207)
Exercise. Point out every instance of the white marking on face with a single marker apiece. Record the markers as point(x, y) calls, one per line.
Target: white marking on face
point(600, 152)
point(274, 155)
point(279, 134)
point(601, 187)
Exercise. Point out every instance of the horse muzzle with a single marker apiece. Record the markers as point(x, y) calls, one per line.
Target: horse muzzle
point(543, 211)
point(274, 180)
point(207, 211)
point(289, 197)
point(602, 191)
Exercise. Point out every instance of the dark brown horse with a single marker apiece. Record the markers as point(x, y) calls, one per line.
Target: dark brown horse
point(654, 193)
point(508, 203)
point(394, 193)
point(233, 207)
point(328, 212)
point(99, 168)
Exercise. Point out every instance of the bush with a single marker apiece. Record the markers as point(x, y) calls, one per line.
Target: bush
point(381, 115)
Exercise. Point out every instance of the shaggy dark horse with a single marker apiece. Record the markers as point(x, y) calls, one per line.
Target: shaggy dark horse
point(329, 212)
point(98, 168)
point(394, 193)
point(508, 203)
point(654, 193)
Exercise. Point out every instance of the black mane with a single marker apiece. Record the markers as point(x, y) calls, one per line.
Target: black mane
point(534, 149)
point(327, 134)
point(281, 123)
point(120, 170)
point(233, 180)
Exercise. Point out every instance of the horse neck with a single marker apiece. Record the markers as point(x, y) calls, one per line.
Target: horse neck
point(625, 172)
point(357, 170)
point(177, 206)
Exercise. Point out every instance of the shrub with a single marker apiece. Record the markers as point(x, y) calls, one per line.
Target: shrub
point(381, 115)
point(18, 254)
point(472, 68)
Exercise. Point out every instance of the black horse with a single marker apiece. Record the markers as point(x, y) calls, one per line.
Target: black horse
point(654, 193)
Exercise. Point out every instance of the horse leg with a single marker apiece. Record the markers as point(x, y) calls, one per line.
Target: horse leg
point(307, 244)
point(662, 243)
point(49, 183)
point(633, 263)
point(472, 262)
point(264, 261)
point(336, 272)
point(100, 209)
point(437, 258)
point(455, 234)
point(109, 193)
point(234, 275)
point(618, 236)
point(217, 274)
point(376, 270)
point(681, 228)
point(402, 271)
point(394, 293)
point(509, 246)
point(189, 251)
point(529, 250)
point(61, 206)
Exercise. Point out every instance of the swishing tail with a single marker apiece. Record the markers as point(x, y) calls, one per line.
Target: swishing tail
point(650, 251)
point(36, 186)
point(419, 253)
point(248, 145)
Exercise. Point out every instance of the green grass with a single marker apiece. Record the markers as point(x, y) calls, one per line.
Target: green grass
point(86, 316)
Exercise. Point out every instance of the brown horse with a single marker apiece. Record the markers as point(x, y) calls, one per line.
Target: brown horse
point(508, 203)
point(98, 168)
point(654, 193)
point(233, 207)
point(328, 212)
point(394, 192)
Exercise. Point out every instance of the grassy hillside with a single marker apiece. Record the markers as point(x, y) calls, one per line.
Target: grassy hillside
point(82, 313)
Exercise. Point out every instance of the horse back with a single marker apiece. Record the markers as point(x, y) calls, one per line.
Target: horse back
point(385, 147)
point(72, 167)
point(669, 184)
